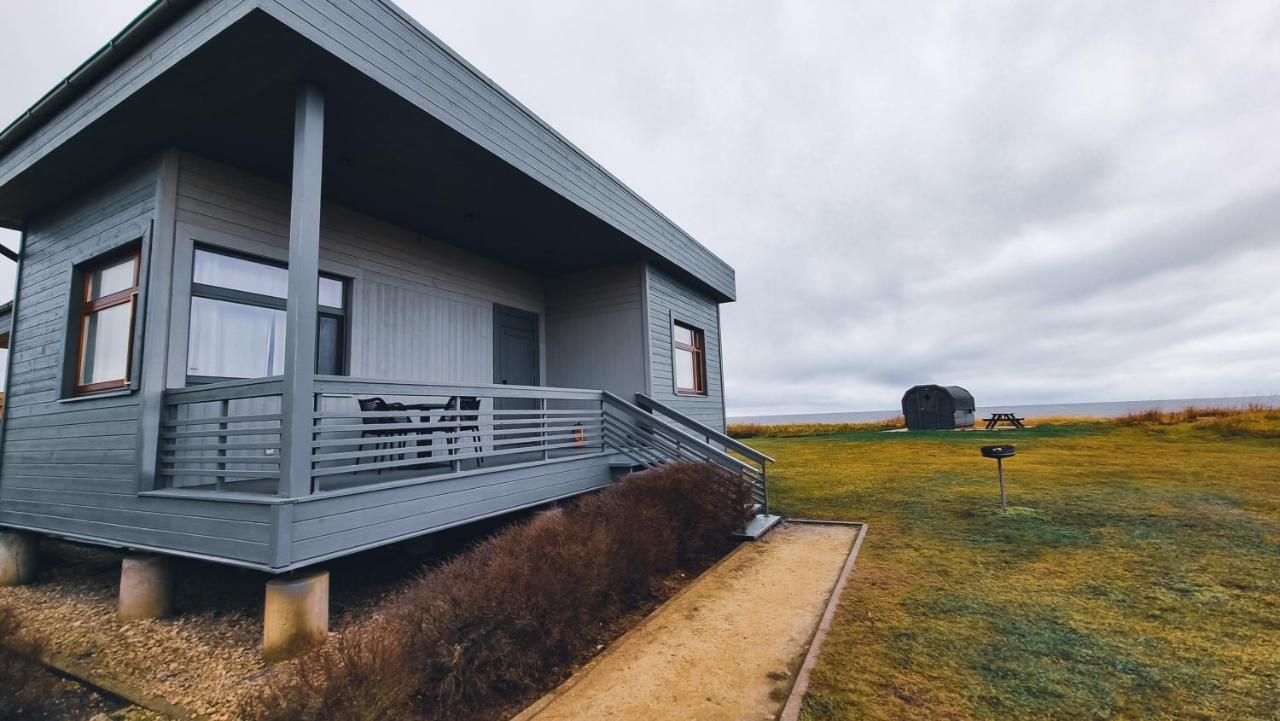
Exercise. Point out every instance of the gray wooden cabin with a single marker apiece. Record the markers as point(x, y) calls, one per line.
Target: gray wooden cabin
point(242, 218)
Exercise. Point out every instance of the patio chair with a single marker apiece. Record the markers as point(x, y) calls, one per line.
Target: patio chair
point(378, 404)
point(462, 404)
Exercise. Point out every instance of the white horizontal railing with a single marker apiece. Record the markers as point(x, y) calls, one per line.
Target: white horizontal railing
point(228, 436)
point(425, 428)
point(220, 434)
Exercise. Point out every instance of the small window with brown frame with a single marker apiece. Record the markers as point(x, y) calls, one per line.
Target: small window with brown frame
point(108, 310)
point(689, 357)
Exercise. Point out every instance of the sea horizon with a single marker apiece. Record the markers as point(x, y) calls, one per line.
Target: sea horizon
point(1097, 409)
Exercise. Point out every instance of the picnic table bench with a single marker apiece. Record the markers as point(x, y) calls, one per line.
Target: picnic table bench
point(997, 418)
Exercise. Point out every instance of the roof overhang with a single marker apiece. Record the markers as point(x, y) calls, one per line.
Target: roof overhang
point(229, 95)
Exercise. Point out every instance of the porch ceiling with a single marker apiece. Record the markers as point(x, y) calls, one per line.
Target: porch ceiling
point(232, 100)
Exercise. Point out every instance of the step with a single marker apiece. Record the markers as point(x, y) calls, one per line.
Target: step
point(620, 470)
point(758, 526)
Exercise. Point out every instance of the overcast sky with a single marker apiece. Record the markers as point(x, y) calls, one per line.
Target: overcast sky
point(1041, 202)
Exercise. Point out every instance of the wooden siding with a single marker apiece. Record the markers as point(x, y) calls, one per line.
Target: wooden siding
point(386, 44)
point(668, 300)
point(595, 330)
point(70, 467)
point(420, 310)
point(325, 527)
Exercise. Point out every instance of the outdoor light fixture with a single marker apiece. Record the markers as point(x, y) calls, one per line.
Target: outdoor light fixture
point(1000, 453)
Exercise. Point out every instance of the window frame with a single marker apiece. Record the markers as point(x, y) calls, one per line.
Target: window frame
point(699, 351)
point(85, 308)
point(260, 300)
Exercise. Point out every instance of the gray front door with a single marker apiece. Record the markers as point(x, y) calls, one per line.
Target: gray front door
point(515, 347)
point(515, 363)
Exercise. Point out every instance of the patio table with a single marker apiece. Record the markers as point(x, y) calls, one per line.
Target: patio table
point(420, 441)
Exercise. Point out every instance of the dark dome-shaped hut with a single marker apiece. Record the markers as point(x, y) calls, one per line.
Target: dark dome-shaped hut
point(928, 408)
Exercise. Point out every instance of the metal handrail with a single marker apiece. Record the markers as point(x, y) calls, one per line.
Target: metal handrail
point(703, 446)
point(666, 443)
point(651, 405)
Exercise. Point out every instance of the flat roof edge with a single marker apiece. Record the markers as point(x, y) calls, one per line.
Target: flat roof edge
point(136, 33)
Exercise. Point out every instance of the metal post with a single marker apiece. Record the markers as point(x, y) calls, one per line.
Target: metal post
point(542, 406)
point(764, 484)
point(1000, 475)
point(299, 400)
point(224, 410)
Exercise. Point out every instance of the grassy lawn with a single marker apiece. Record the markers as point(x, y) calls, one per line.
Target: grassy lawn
point(1136, 575)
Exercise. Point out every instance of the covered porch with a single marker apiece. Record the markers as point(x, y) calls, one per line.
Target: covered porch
point(228, 438)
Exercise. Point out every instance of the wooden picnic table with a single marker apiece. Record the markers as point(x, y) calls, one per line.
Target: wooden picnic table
point(997, 418)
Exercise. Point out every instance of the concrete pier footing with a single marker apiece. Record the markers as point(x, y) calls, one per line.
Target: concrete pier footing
point(296, 615)
point(17, 557)
point(146, 588)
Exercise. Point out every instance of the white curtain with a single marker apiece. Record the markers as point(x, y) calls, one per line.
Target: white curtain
point(231, 340)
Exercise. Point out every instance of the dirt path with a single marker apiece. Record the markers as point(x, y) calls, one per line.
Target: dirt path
point(726, 649)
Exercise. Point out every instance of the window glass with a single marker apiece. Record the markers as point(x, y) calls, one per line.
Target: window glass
point(686, 370)
point(104, 324)
point(234, 340)
point(329, 346)
point(225, 271)
point(689, 359)
point(105, 353)
point(241, 334)
point(331, 292)
point(110, 279)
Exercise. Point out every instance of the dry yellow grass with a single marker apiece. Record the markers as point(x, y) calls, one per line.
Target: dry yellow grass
point(1135, 576)
point(796, 430)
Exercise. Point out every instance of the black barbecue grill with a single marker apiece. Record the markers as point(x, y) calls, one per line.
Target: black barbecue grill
point(1000, 453)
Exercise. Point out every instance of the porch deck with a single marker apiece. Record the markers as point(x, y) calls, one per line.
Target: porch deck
point(378, 476)
point(228, 437)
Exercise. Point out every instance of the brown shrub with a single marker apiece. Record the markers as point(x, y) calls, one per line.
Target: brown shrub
point(24, 684)
point(510, 617)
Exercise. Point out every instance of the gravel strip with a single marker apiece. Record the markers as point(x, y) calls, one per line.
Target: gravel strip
point(206, 658)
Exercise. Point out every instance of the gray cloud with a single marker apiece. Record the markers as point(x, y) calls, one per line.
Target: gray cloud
point(1041, 201)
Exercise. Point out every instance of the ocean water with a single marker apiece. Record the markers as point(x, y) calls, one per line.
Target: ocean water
point(1106, 409)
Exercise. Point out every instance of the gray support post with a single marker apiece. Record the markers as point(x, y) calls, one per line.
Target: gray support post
point(13, 327)
point(298, 403)
point(157, 309)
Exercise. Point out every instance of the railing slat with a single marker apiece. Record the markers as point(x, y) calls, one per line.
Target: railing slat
point(445, 459)
point(225, 473)
point(370, 387)
point(440, 438)
point(445, 411)
point(441, 450)
point(213, 420)
point(526, 423)
point(204, 460)
point(173, 435)
point(230, 390)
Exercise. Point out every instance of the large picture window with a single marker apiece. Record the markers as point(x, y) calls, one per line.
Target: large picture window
point(690, 359)
point(108, 309)
point(238, 319)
